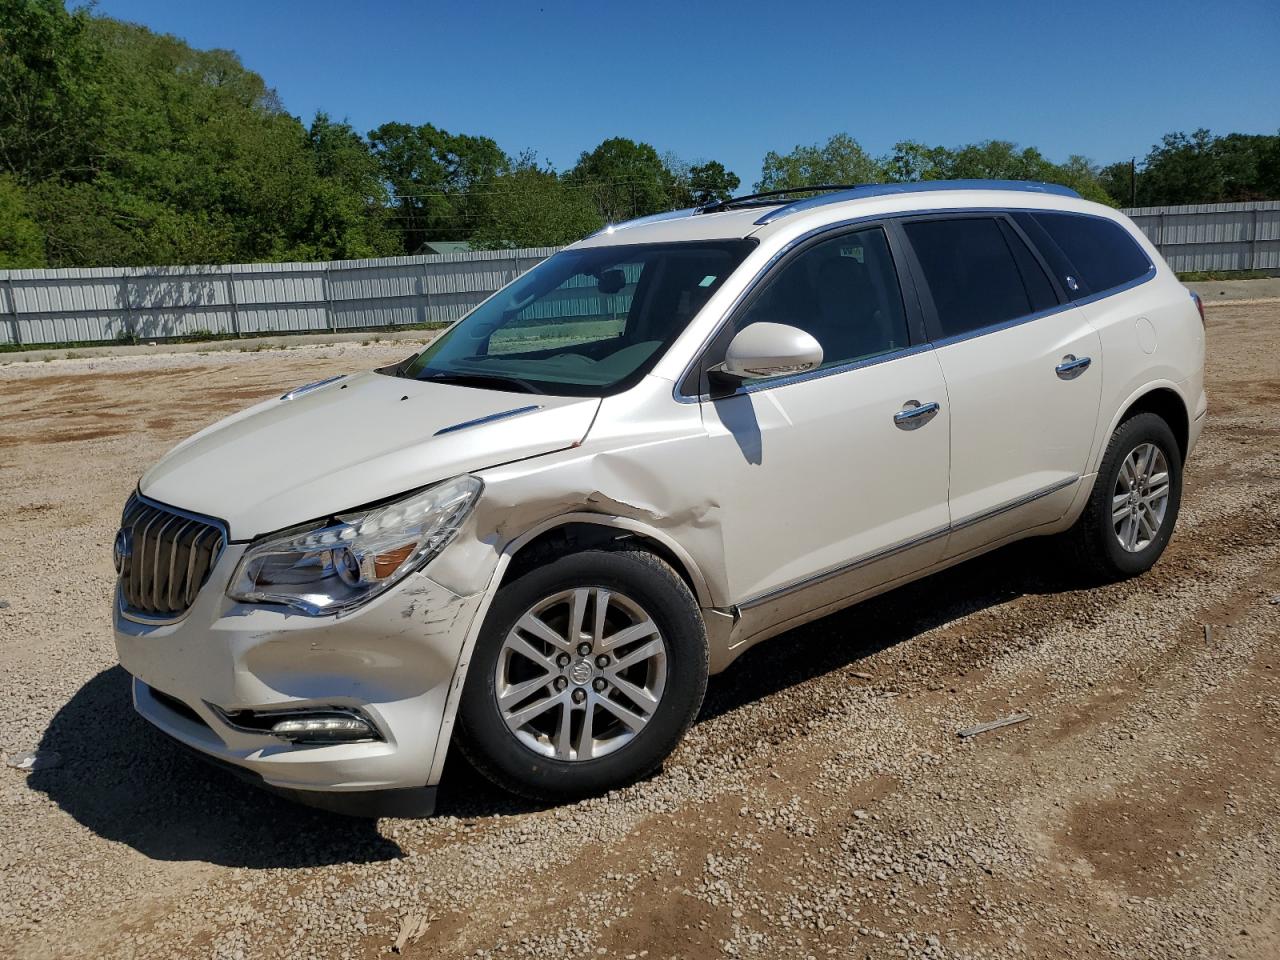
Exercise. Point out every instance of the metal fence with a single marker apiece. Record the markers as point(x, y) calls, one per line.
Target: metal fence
point(105, 304)
point(1215, 236)
point(145, 303)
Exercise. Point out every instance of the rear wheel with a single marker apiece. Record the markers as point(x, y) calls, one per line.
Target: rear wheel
point(586, 674)
point(1134, 504)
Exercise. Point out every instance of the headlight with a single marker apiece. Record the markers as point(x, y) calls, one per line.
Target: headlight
point(354, 557)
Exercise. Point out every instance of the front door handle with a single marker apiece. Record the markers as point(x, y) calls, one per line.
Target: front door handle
point(1070, 367)
point(915, 414)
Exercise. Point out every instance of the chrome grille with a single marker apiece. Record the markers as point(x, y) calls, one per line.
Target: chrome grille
point(164, 557)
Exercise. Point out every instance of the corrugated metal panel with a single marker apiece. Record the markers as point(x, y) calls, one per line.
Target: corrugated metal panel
point(285, 287)
point(161, 324)
point(68, 328)
point(1214, 236)
point(1204, 208)
point(59, 294)
point(479, 276)
point(1269, 224)
point(285, 318)
point(105, 304)
point(375, 282)
point(387, 312)
point(179, 290)
point(1207, 256)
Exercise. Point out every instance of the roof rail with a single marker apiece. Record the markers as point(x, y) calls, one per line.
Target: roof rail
point(766, 199)
point(651, 218)
point(867, 190)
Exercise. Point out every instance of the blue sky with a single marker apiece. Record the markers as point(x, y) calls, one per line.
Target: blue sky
point(732, 81)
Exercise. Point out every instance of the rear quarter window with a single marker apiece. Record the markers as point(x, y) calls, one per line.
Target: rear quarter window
point(1101, 251)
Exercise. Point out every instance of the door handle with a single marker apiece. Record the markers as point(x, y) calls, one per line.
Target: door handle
point(915, 414)
point(1070, 367)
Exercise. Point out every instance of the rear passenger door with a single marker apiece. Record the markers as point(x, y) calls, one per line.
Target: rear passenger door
point(1023, 374)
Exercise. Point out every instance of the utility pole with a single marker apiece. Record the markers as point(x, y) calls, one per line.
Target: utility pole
point(1133, 181)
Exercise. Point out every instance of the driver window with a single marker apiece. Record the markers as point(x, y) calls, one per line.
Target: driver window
point(844, 292)
point(584, 309)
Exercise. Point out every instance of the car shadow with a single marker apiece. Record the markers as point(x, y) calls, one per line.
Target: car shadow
point(833, 643)
point(128, 782)
point(840, 640)
point(124, 780)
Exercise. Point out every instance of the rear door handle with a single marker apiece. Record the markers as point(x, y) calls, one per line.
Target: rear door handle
point(915, 414)
point(1070, 367)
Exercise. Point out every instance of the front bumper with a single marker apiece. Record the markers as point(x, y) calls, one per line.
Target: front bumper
point(394, 660)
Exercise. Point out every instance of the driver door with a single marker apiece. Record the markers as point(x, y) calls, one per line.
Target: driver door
point(829, 484)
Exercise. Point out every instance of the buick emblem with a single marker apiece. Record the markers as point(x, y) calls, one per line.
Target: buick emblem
point(122, 549)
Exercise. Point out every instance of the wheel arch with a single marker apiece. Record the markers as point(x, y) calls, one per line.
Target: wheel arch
point(608, 526)
point(572, 532)
point(1165, 400)
point(1167, 403)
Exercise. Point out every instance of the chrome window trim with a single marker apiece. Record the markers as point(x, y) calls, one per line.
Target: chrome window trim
point(755, 386)
point(681, 397)
point(885, 553)
point(1150, 273)
point(148, 620)
point(1120, 288)
point(1041, 314)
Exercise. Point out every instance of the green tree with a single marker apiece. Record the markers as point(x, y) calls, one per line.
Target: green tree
point(349, 214)
point(21, 239)
point(48, 91)
point(1117, 180)
point(1202, 168)
point(432, 174)
point(839, 160)
point(624, 179)
point(911, 161)
point(193, 159)
point(991, 160)
point(710, 182)
point(530, 206)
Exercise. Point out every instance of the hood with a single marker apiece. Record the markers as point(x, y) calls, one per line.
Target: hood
point(354, 441)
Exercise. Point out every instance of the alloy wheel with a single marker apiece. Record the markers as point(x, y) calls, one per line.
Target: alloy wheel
point(1141, 497)
point(581, 673)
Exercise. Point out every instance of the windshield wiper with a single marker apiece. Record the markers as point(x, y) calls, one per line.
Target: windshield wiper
point(523, 386)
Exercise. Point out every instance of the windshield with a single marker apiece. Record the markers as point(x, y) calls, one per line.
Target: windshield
point(584, 322)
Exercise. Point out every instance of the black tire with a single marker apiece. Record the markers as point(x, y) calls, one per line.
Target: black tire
point(1092, 541)
point(494, 750)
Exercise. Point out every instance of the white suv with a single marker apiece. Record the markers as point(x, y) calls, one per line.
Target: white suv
point(670, 441)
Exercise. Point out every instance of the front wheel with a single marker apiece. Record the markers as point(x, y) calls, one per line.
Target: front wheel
point(1134, 504)
point(586, 674)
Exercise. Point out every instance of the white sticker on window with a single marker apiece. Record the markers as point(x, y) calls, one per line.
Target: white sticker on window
point(707, 281)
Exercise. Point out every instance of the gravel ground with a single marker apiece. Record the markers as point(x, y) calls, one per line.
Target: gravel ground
point(822, 806)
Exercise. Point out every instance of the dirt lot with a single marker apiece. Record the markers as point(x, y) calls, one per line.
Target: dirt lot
point(821, 807)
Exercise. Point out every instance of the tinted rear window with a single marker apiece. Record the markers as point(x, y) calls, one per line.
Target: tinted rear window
point(971, 273)
point(1101, 250)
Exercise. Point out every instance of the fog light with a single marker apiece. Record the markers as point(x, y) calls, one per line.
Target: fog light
point(324, 728)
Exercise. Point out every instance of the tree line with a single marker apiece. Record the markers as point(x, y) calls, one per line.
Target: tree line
point(120, 146)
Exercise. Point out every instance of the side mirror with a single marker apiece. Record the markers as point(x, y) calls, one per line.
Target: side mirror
point(769, 350)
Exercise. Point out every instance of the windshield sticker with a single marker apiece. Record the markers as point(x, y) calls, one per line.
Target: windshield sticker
point(707, 281)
